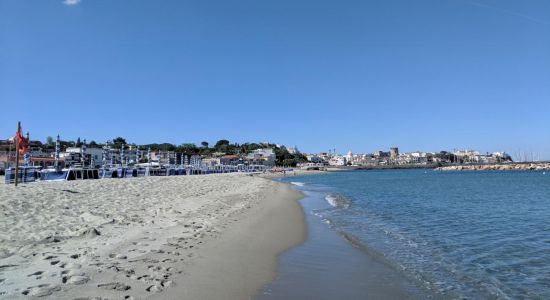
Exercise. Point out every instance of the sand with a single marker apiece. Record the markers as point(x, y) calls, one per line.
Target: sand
point(187, 237)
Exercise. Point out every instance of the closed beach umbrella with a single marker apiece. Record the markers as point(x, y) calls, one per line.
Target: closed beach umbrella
point(104, 155)
point(57, 152)
point(83, 155)
point(121, 154)
point(27, 156)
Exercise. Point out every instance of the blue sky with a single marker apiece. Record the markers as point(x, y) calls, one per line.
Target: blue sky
point(359, 75)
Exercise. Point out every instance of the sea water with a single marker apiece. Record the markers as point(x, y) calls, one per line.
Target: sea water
point(449, 234)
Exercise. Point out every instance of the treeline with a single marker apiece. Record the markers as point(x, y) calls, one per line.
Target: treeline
point(220, 148)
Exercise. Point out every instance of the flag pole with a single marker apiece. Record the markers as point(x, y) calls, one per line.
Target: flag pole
point(17, 154)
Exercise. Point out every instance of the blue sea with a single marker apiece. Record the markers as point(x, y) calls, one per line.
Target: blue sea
point(450, 235)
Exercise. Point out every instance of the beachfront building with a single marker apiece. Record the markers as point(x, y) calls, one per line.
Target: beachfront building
point(211, 161)
point(415, 158)
point(349, 156)
point(474, 157)
point(316, 159)
point(73, 155)
point(468, 156)
point(265, 156)
point(166, 157)
point(381, 154)
point(36, 150)
point(394, 153)
point(365, 160)
point(231, 160)
point(337, 160)
point(501, 157)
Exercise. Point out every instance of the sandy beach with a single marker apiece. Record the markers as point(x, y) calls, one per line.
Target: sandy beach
point(186, 237)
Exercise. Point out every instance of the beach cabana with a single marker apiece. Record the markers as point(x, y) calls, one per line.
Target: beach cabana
point(25, 173)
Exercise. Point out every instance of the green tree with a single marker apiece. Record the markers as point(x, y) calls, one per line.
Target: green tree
point(49, 141)
point(118, 142)
point(221, 146)
point(204, 144)
point(188, 148)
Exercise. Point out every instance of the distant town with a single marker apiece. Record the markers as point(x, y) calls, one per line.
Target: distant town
point(417, 158)
point(223, 152)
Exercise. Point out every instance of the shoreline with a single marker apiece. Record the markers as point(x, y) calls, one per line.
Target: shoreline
point(530, 166)
point(245, 258)
point(190, 237)
point(332, 264)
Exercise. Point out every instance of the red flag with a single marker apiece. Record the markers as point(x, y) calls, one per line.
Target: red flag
point(22, 143)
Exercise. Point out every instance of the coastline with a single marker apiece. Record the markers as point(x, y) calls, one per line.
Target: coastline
point(191, 237)
point(331, 264)
point(528, 166)
point(244, 258)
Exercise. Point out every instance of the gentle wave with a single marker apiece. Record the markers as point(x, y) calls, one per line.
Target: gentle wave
point(297, 183)
point(337, 201)
point(462, 235)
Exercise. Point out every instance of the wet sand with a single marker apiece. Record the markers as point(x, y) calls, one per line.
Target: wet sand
point(326, 266)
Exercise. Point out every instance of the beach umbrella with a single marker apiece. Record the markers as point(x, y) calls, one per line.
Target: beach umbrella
point(27, 156)
point(121, 154)
point(104, 155)
point(138, 154)
point(83, 153)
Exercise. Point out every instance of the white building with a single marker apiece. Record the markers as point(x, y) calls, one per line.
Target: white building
point(337, 160)
point(264, 156)
point(293, 150)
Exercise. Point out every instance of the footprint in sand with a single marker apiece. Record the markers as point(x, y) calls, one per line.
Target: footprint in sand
point(167, 283)
point(118, 286)
point(144, 278)
point(76, 279)
point(54, 262)
point(36, 273)
point(154, 288)
point(40, 291)
point(154, 268)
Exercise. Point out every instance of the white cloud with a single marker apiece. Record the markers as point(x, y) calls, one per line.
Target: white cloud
point(71, 2)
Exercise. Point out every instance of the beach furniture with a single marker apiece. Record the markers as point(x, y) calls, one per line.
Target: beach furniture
point(72, 173)
point(25, 173)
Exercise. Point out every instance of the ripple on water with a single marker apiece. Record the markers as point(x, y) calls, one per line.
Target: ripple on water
point(464, 234)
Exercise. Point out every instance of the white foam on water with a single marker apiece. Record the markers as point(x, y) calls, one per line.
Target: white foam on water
point(337, 201)
point(297, 183)
point(331, 200)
